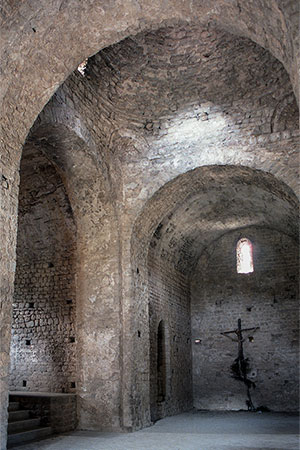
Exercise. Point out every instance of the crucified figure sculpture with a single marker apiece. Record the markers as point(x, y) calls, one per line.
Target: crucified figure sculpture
point(240, 365)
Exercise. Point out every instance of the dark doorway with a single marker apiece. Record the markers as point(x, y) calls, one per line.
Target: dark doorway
point(161, 363)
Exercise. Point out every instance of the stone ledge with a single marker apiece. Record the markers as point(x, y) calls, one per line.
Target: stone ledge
point(40, 394)
point(57, 410)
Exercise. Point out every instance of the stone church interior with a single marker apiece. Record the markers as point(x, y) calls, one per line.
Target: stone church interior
point(149, 214)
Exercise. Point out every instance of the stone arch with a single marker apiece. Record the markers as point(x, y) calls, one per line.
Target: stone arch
point(73, 157)
point(271, 28)
point(44, 44)
point(154, 234)
point(178, 189)
point(44, 308)
point(284, 114)
point(87, 180)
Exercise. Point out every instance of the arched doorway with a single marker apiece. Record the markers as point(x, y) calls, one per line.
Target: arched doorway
point(161, 363)
point(159, 377)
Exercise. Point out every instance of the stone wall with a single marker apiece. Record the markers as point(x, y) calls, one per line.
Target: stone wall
point(43, 335)
point(169, 301)
point(267, 298)
point(59, 411)
point(150, 108)
point(203, 96)
point(43, 346)
point(176, 226)
point(38, 55)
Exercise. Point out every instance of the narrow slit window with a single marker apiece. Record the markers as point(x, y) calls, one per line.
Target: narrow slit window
point(244, 256)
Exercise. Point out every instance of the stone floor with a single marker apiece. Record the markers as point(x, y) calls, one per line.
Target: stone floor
point(190, 431)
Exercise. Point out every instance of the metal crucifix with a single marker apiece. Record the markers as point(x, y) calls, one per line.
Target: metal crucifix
point(240, 366)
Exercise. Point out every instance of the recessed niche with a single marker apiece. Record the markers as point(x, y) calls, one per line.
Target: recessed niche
point(73, 385)
point(72, 339)
point(24, 383)
point(30, 305)
point(50, 265)
point(139, 333)
point(28, 342)
point(69, 301)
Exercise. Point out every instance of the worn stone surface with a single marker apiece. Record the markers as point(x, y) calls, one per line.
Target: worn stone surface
point(183, 86)
point(267, 298)
point(57, 411)
point(190, 213)
point(43, 329)
point(169, 303)
point(215, 430)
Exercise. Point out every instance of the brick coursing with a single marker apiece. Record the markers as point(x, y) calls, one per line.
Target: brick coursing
point(267, 298)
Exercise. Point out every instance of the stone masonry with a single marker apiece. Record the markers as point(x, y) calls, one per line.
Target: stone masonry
point(43, 330)
point(124, 189)
point(266, 298)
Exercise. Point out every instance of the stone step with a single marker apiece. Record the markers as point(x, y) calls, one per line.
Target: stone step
point(13, 406)
point(23, 425)
point(13, 416)
point(27, 436)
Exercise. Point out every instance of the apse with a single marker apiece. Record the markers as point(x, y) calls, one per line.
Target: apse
point(195, 288)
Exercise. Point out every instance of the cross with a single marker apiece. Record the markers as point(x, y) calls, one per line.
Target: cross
point(240, 364)
point(238, 331)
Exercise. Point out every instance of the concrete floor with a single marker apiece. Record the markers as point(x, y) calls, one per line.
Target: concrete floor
point(190, 431)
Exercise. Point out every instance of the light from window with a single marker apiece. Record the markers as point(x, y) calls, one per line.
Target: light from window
point(244, 256)
point(82, 67)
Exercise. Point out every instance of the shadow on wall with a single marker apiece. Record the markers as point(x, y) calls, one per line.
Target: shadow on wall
point(43, 352)
point(185, 240)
